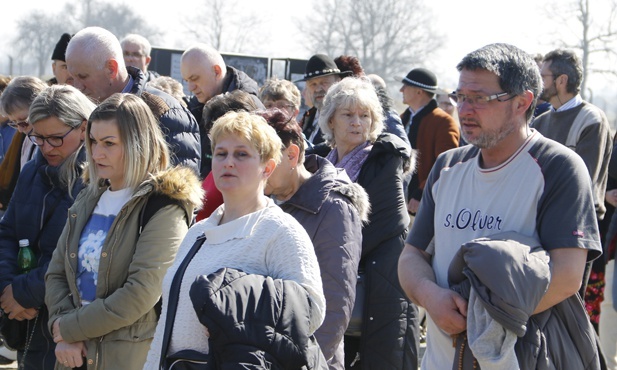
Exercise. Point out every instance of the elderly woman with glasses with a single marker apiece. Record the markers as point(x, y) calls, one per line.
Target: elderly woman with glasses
point(352, 123)
point(46, 188)
point(14, 104)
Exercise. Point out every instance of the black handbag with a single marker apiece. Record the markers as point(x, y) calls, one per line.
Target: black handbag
point(14, 333)
point(184, 359)
point(354, 328)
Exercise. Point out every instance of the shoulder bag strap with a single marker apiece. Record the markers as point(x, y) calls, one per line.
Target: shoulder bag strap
point(174, 292)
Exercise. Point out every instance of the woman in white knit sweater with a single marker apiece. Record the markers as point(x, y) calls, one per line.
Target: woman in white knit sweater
point(248, 232)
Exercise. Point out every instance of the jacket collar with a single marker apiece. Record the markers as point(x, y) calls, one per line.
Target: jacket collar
point(313, 193)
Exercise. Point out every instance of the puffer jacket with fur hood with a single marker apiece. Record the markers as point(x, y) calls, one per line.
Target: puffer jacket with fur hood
point(119, 324)
point(332, 208)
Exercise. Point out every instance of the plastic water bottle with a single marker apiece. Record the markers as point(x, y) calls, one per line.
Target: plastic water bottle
point(26, 260)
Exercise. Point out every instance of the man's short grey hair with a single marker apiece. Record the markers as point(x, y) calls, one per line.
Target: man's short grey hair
point(566, 62)
point(351, 91)
point(99, 45)
point(134, 38)
point(516, 69)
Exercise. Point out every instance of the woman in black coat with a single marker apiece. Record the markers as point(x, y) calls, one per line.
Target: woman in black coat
point(352, 121)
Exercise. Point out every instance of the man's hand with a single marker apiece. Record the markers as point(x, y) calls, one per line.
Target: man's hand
point(71, 354)
point(10, 306)
point(412, 206)
point(448, 309)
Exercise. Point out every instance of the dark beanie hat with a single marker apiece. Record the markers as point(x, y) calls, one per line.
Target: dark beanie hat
point(60, 48)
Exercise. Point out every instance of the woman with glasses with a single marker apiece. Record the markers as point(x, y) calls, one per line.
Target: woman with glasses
point(14, 104)
point(46, 188)
point(104, 279)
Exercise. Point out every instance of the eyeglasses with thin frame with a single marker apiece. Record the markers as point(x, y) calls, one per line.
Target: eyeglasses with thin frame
point(23, 124)
point(55, 141)
point(134, 55)
point(270, 105)
point(478, 101)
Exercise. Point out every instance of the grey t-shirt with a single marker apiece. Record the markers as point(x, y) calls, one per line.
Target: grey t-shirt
point(543, 191)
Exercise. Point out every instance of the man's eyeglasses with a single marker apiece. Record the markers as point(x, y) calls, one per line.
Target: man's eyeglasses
point(134, 55)
point(478, 101)
point(55, 141)
point(23, 124)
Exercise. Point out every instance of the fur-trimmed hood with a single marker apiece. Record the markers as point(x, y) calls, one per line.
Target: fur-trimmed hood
point(357, 195)
point(327, 178)
point(179, 183)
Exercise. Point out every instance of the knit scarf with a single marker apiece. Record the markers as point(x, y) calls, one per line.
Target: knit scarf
point(352, 162)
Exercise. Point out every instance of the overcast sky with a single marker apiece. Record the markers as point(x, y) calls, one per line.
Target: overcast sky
point(467, 25)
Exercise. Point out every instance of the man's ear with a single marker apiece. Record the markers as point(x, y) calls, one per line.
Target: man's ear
point(217, 70)
point(523, 101)
point(562, 81)
point(148, 59)
point(112, 68)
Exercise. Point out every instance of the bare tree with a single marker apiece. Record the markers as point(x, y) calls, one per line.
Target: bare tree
point(224, 25)
point(388, 36)
point(119, 19)
point(37, 37)
point(593, 32)
point(38, 32)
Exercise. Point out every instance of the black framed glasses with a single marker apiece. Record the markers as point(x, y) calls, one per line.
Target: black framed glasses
point(23, 124)
point(479, 101)
point(55, 141)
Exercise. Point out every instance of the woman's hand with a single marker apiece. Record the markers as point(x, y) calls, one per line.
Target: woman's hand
point(10, 306)
point(27, 314)
point(55, 331)
point(71, 354)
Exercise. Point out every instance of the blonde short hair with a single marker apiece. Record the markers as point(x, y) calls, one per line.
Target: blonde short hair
point(251, 128)
point(351, 91)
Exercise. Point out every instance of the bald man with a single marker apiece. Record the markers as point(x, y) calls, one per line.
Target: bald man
point(204, 69)
point(94, 59)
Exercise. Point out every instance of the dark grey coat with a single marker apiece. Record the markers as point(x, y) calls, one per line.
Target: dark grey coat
point(331, 208)
point(510, 273)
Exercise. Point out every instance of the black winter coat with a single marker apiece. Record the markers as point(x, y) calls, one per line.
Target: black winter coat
point(177, 123)
point(255, 320)
point(390, 324)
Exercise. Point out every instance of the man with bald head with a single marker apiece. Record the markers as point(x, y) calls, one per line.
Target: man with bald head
point(204, 69)
point(94, 59)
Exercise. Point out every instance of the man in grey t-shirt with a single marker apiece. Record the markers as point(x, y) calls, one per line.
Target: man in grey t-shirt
point(509, 179)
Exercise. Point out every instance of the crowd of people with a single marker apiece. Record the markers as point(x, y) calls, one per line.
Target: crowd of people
point(230, 230)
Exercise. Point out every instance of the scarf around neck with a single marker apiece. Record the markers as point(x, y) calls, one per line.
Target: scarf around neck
point(352, 162)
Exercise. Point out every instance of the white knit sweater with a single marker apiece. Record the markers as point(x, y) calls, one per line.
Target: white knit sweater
point(267, 242)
